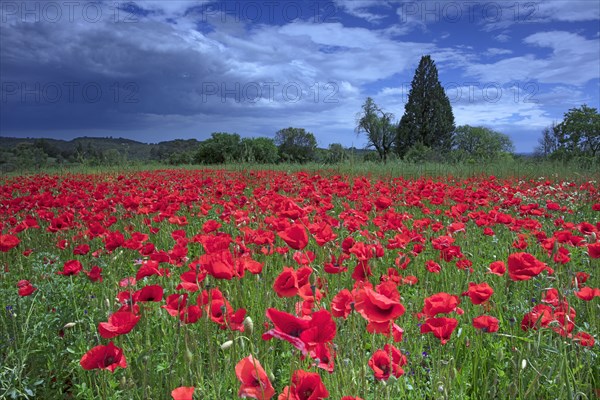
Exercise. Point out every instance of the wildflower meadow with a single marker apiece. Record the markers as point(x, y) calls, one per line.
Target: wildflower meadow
point(220, 284)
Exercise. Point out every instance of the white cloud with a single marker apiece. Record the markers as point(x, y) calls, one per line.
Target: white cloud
point(360, 9)
point(574, 60)
point(566, 10)
point(503, 38)
point(502, 15)
point(494, 51)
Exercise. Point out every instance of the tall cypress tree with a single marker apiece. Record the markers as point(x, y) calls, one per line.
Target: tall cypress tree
point(428, 119)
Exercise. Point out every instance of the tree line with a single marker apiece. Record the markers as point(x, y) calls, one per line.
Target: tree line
point(427, 129)
point(425, 132)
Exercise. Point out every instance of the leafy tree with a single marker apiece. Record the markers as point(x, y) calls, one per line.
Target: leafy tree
point(579, 132)
point(29, 155)
point(419, 153)
point(428, 117)
point(177, 151)
point(181, 157)
point(296, 145)
point(336, 153)
point(480, 143)
point(113, 157)
point(220, 148)
point(548, 143)
point(48, 148)
point(379, 128)
point(260, 150)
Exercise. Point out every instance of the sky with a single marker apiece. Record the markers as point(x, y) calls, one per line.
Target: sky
point(161, 70)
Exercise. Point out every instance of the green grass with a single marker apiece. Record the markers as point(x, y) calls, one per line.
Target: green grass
point(519, 168)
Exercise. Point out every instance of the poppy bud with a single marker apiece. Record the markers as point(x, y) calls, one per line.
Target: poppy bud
point(189, 356)
point(227, 345)
point(523, 363)
point(69, 325)
point(248, 325)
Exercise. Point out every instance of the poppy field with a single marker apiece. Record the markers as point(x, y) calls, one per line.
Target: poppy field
point(216, 284)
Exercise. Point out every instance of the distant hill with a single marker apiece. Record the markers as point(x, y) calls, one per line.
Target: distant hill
point(131, 149)
point(24, 153)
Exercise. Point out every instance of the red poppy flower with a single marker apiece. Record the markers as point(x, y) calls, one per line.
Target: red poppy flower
point(220, 311)
point(7, 242)
point(322, 329)
point(175, 303)
point(94, 274)
point(540, 316)
point(497, 268)
point(25, 288)
point(441, 328)
point(295, 236)
point(486, 323)
point(246, 263)
point(563, 320)
point(130, 281)
point(302, 333)
point(219, 264)
point(322, 233)
point(148, 268)
point(336, 265)
point(580, 278)
point(119, 323)
point(594, 250)
point(387, 362)
point(104, 357)
point(488, 231)
point(255, 383)
point(342, 303)
point(562, 256)
point(382, 202)
point(324, 355)
point(584, 339)
point(588, 293)
point(210, 226)
point(113, 240)
point(551, 297)
point(183, 393)
point(304, 257)
point(440, 303)
point(433, 267)
point(524, 266)
point(305, 386)
point(287, 327)
point(449, 253)
point(479, 293)
point(190, 280)
point(149, 293)
point(190, 314)
point(71, 267)
point(286, 284)
point(379, 306)
point(82, 249)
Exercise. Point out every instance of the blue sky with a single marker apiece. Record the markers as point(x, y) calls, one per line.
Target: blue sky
point(160, 70)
